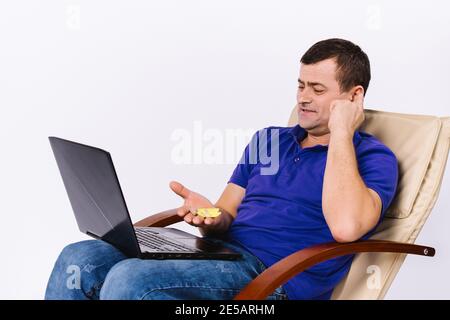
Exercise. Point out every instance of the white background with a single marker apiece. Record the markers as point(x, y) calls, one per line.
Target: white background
point(124, 75)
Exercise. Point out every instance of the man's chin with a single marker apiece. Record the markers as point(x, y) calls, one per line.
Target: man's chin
point(307, 125)
point(313, 128)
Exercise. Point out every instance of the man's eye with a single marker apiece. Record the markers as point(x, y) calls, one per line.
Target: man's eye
point(318, 91)
point(301, 87)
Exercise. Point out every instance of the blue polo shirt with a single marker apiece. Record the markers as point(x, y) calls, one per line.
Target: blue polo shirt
point(281, 212)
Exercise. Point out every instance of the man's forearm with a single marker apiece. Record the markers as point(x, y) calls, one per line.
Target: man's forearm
point(224, 223)
point(344, 193)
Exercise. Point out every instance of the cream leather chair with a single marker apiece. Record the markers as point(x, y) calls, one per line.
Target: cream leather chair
point(421, 144)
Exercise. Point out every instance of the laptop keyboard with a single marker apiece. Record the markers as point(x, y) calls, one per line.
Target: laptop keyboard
point(159, 243)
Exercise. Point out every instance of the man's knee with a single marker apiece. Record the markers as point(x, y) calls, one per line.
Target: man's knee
point(81, 252)
point(80, 267)
point(123, 281)
point(74, 252)
point(65, 279)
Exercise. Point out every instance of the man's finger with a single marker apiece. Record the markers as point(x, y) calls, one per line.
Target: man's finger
point(182, 211)
point(179, 189)
point(188, 218)
point(197, 220)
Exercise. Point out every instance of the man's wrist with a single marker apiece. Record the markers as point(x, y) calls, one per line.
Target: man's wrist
point(345, 134)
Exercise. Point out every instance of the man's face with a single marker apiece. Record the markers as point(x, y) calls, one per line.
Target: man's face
point(317, 88)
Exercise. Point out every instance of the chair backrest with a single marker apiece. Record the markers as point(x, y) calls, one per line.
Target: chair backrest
point(421, 144)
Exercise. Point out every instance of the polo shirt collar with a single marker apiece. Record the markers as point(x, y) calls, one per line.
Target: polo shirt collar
point(298, 133)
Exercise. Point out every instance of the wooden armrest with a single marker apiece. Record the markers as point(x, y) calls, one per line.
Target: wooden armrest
point(280, 272)
point(161, 219)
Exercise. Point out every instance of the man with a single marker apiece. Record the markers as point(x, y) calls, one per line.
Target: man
point(333, 183)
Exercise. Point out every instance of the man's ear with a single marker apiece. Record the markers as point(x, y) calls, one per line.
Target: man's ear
point(356, 90)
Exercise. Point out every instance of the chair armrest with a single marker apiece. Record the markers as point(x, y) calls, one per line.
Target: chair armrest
point(161, 219)
point(280, 272)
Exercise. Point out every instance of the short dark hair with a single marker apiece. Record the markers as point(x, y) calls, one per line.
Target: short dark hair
point(353, 66)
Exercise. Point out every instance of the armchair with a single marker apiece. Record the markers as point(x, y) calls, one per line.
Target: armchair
point(421, 144)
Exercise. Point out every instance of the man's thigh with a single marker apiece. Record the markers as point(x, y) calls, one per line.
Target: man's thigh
point(180, 278)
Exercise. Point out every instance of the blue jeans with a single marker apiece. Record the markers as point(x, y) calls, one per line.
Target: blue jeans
point(94, 269)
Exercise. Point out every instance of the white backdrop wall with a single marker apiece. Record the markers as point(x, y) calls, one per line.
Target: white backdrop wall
point(126, 75)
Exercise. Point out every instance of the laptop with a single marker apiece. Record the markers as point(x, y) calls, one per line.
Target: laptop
point(100, 210)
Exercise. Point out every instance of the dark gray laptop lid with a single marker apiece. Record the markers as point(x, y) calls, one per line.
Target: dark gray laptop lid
point(95, 194)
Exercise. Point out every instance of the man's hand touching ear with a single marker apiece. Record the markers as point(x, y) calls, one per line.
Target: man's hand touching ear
point(346, 115)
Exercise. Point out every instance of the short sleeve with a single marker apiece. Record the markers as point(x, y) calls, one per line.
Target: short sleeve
point(246, 164)
point(378, 168)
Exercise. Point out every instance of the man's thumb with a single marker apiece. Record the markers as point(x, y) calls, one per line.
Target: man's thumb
point(179, 189)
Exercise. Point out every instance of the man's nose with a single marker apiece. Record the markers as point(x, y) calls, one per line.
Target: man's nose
point(303, 97)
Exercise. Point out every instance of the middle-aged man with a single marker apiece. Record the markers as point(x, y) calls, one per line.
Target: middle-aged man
point(331, 183)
